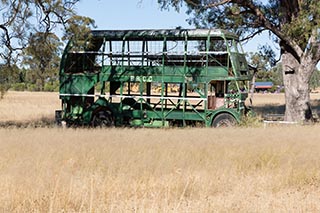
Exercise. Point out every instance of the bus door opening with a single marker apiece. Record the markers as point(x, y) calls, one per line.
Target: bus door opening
point(216, 94)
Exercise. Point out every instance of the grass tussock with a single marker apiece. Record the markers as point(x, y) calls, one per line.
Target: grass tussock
point(251, 120)
point(166, 170)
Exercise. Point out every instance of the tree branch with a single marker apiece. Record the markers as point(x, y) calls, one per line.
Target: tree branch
point(268, 25)
point(219, 3)
point(192, 3)
point(252, 35)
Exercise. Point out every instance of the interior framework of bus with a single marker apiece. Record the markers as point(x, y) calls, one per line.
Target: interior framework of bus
point(154, 78)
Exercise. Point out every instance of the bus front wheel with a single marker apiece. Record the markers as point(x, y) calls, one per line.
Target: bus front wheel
point(224, 120)
point(102, 118)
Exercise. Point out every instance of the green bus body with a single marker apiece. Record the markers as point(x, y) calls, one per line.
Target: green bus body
point(154, 78)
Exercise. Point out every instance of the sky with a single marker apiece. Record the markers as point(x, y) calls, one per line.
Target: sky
point(130, 14)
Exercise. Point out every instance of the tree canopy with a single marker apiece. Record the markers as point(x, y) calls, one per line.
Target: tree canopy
point(21, 19)
point(42, 56)
point(28, 29)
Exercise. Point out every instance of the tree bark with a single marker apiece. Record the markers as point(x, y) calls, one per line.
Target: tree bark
point(296, 77)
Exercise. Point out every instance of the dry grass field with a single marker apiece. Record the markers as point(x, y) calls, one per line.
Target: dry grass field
point(28, 107)
point(275, 103)
point(251, 169)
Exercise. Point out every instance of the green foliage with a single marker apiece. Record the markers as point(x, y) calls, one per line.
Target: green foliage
point(8, 75)
point(27, 33)
point(265, 71)
point(300, 26)
point(277, 76)
point(18, 86)
point(24, 18)
point(3, 89)
point(3, 81)
point(51, 86)
point(42, 58)
point(32, 87)
point(78, 28)
point(251, 120)
point(259, 61)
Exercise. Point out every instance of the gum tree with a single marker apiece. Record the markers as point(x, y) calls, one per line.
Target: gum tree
point(293, 24)
point(42, 57)
point(22, 20)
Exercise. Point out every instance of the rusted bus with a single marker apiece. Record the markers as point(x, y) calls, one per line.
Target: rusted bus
point(154, 78)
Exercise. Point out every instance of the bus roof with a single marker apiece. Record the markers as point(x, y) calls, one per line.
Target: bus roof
point(161, 33)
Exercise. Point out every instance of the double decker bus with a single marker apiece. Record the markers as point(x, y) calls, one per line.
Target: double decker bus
point(154, 78)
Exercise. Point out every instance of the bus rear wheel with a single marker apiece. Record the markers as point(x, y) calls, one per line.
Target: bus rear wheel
point(224, 120)
point(102, 118)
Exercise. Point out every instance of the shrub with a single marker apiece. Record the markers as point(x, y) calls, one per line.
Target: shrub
point(18, 86)
point(51, 86)
point(251, 120)
point(3, 90)
point(32, 87)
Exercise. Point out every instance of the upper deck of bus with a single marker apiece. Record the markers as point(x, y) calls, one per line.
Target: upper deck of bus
point(120, 51)
point(160, 34)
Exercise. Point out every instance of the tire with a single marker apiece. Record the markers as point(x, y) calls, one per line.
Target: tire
point(102, 118)
point(224, 120)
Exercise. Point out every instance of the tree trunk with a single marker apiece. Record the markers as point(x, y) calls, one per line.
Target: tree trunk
point(296, 77)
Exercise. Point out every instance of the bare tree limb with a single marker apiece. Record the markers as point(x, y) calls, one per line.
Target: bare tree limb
point(191, 2)
point(252, 35)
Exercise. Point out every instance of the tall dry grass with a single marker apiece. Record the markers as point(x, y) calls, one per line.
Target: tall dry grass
point(147, 170)
point(275, 103)
point(24, 108)
point(274, 169)
point(28, 106)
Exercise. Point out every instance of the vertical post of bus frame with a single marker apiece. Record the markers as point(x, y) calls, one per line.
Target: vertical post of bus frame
point(207, 82)
point(164, 49)
point(184, 88)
